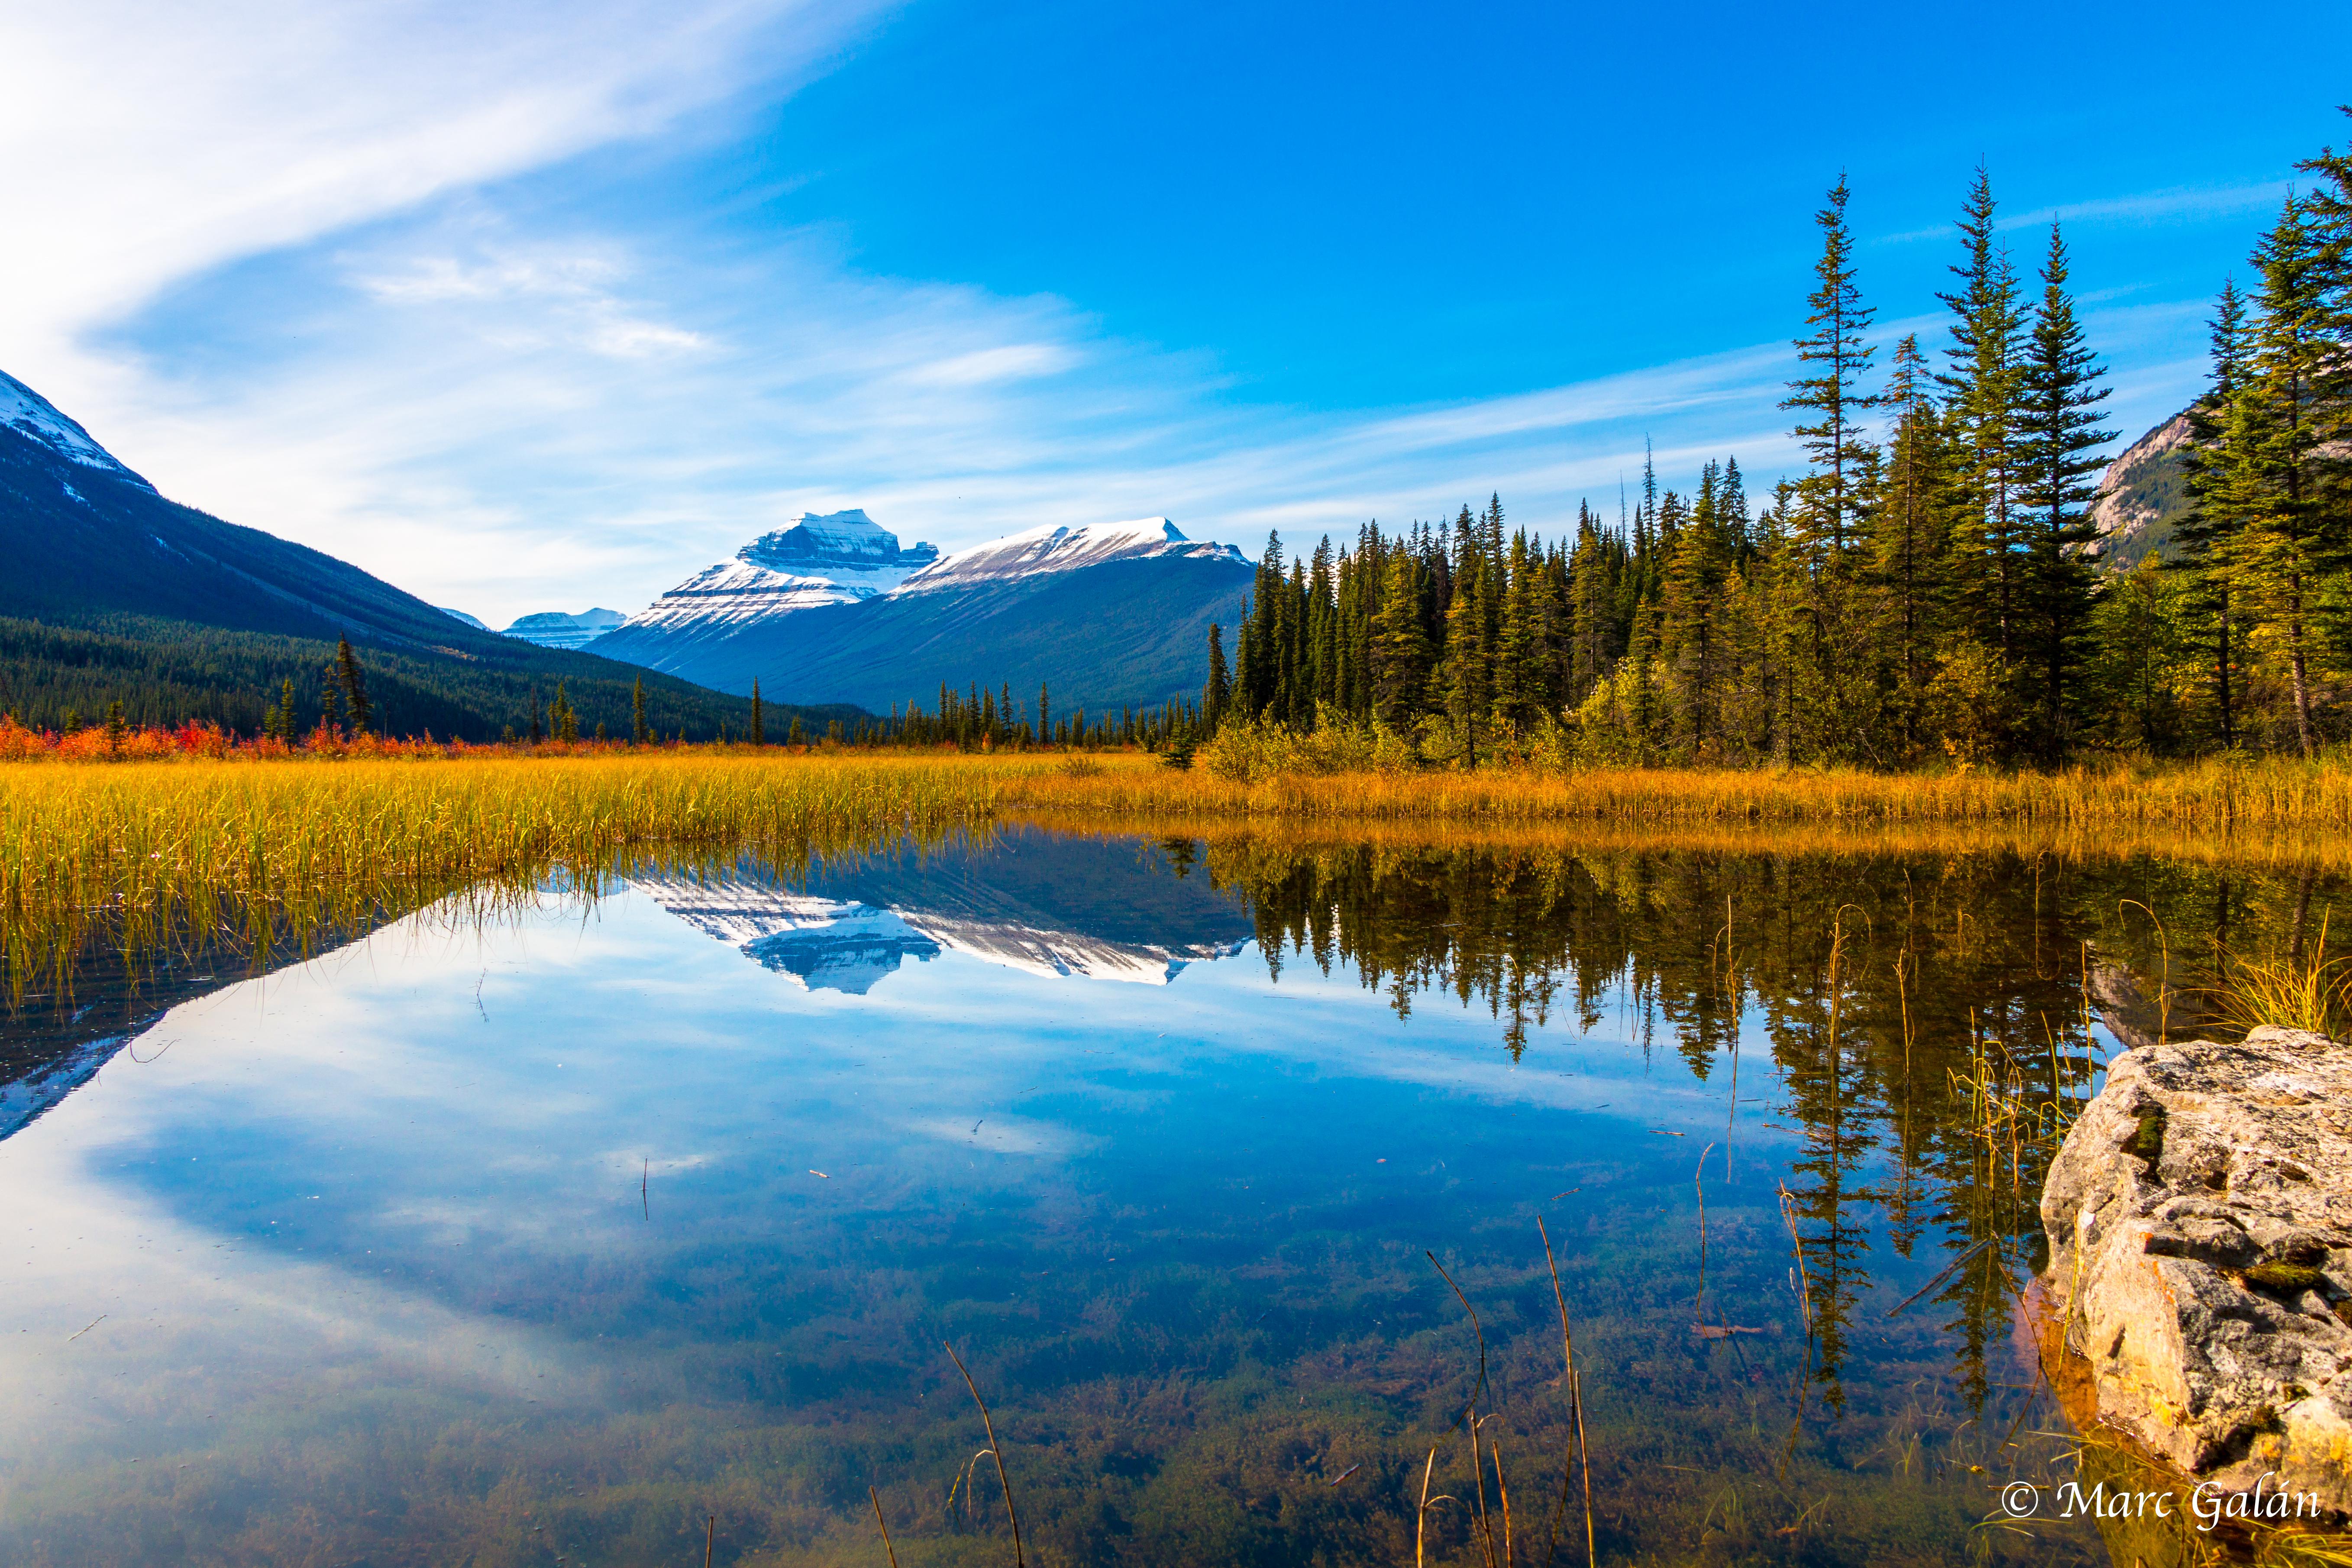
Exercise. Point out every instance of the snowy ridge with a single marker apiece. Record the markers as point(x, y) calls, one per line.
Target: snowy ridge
point(475, 622)
point(1063, 549)
point(834, 559)
point(31, 415)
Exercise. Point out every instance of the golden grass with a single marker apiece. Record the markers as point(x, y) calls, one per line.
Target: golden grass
point(2303, 989)
point(144, 854)
point(2205, 798)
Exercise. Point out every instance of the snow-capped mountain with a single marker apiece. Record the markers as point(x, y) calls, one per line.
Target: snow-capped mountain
point(553, 628)
point(474, 621)
point(30, 414)
point(1105, 613)
point(837, 558)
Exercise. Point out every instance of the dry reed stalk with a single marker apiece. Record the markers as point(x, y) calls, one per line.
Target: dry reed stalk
point(989, 1423)
point(1584, 1452)
point(1503, 1492)
point(1804, 1279)
point(1420, 1515)
point(1469, 1416)
point(1698, 1185)
point(891, 1550)
point(1568, 1376)
point(710, 1540)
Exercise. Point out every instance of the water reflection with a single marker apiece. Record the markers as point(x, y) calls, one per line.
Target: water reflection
point(555, 1235)
point(1049, 904)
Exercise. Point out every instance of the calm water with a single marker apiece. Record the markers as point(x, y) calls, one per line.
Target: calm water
point(552, 1237)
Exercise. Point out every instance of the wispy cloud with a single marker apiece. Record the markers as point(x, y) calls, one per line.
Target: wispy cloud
point(2145, 207)
point(141, 144)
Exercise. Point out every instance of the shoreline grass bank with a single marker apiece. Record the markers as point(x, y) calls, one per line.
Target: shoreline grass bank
point(134, 853)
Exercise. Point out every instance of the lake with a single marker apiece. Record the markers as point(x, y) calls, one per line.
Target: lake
point(637, 1220)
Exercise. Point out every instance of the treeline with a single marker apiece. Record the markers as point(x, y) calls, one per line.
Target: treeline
point(170, 673)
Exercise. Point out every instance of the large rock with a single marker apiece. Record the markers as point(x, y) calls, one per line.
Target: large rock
point(2200, 1232)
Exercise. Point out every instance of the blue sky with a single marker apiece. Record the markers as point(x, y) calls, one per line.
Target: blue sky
point(535, 306)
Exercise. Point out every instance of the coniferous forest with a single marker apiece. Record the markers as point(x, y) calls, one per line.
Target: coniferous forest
point(1927, 591)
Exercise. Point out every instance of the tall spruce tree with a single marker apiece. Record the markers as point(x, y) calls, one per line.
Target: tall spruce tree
point(1983, 382)
point(1910, 551)
point(2293, 540)
point(2207, 535)
point(1830, 398)
point(354, 685)
point(2059, 431)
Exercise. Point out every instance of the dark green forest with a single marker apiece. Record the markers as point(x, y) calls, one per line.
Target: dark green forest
point(170, 672)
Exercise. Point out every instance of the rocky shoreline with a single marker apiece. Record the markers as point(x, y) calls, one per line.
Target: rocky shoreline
point(2200, 1218)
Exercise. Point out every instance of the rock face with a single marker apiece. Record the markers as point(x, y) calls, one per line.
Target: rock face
point(2200, 1232)
point(2142, 495)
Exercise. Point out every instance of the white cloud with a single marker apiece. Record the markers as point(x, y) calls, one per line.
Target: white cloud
point(142, 144)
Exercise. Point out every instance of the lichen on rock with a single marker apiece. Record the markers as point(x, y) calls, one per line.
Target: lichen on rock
point(2200, 1216)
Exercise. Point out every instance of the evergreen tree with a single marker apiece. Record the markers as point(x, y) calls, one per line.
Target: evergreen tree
point(331, 700)
point(1401, 648)
point(1984, 385)
point(758, 716)
point(1911, 546)
point(1219, 689)
point(2207, 535)
point(1836, 489)
point(2059, 431)
point(637, 731)
point(2291, 539)
point(347, 669)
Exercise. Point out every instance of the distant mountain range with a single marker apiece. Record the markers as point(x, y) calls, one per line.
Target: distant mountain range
point(553, 628)
point(833, 609)
point(108, 591)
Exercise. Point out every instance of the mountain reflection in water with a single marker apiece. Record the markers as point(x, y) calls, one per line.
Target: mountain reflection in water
point(1036, 902)
point(564, 1233)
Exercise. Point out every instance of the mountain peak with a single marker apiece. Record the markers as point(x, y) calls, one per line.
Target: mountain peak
point(848, 538)
point(35, 418)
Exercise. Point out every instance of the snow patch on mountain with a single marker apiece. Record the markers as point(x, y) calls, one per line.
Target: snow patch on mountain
point(553, 628)
point(1063, 549)
point(34, 417)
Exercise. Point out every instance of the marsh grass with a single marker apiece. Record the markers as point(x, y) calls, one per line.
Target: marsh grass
point(143, 856)
point(2302, 989)
point(2213, 797)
